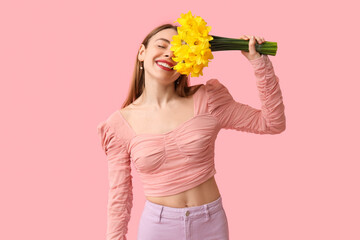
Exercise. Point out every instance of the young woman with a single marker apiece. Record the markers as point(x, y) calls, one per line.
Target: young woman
point(167, 129)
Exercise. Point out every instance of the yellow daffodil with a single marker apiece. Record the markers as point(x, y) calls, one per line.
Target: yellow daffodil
point(193, 45)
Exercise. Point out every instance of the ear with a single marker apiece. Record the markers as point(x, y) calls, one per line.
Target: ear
point(141, 55)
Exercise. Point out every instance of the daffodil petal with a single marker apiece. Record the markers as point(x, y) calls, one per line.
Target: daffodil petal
point(191, 45)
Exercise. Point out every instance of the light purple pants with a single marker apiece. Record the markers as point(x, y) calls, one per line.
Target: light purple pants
point(204, 222)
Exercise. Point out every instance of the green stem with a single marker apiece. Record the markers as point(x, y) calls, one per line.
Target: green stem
point(226, 44)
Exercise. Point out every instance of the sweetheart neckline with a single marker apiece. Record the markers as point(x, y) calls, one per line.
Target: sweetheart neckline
point(166, 133)
point(160, 134)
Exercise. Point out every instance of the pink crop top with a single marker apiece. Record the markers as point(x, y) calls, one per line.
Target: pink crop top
point(183, 158)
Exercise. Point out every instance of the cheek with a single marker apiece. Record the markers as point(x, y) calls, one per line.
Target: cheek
point(149, 61)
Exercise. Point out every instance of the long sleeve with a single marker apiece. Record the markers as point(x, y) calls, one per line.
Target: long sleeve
point(270, 119)
point(120, 195)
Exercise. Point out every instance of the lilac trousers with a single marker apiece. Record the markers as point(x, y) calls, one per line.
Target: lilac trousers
point(204, 222)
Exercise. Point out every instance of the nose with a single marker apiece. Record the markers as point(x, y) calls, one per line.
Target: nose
point(169, 54)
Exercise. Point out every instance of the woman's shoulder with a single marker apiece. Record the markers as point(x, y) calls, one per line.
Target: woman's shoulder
point(115, 122)
point(126, 111)
point(209, 88)
point(196, 89)
point(132, 110)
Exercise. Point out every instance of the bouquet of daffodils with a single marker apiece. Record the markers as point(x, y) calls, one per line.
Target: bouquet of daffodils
point(193, 45)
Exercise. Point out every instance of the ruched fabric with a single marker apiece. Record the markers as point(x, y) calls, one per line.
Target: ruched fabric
point(270, 119)
point(173, 162)
point(120, 195)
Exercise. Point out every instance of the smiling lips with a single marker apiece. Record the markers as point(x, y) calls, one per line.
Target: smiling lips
point(165, 65)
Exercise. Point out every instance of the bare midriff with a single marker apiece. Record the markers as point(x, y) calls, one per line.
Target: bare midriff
point(202, 194)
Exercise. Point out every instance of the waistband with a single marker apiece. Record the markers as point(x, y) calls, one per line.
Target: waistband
point(186, 212)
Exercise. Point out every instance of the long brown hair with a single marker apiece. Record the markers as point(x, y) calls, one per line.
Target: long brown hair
point(138, 82)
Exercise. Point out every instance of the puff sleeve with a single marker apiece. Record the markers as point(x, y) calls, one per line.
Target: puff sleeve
point(120, 195)
point(270, 119)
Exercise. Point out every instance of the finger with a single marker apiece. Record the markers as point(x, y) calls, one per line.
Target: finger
point(252, 45)
point(261, 40)
point(257, 39)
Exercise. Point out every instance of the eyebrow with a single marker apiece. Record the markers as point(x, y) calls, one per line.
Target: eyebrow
point(164, 39)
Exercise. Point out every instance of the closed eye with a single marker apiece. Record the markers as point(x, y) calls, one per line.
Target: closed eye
point(161, 46)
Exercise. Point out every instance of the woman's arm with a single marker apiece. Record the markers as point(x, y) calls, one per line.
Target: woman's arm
point(120, 196)
point(270, 119)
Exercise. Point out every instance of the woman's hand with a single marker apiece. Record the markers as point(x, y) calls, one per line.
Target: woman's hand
point(252, 54)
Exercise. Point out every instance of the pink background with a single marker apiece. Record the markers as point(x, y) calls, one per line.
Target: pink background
point(66, 65)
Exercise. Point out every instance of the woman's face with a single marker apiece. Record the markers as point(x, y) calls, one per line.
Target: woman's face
point(158, 50)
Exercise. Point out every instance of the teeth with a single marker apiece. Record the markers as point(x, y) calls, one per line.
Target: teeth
point(164, 64)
